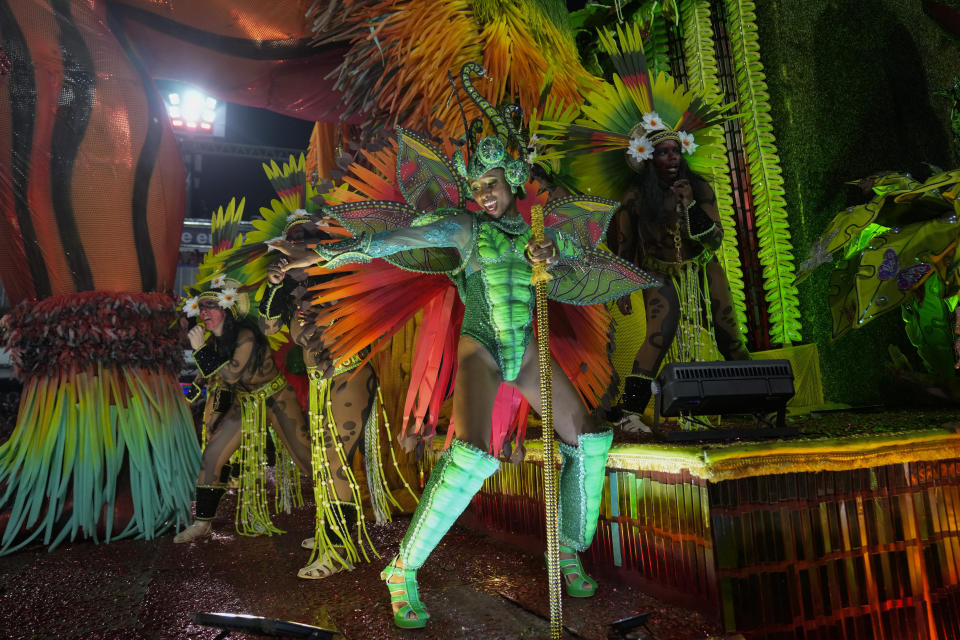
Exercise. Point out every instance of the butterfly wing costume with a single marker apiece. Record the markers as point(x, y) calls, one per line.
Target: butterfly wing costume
point(449, 248)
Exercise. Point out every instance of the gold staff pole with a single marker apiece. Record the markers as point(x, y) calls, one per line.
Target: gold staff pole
point(539, 280)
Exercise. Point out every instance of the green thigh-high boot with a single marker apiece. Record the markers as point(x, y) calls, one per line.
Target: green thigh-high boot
point(459, 474)
point(581, 489)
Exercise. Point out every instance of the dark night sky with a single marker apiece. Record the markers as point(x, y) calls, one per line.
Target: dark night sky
point(222, 178)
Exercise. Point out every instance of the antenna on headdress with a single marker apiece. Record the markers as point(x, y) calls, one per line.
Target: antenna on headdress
point(510, 111)
point(463, 114)
point(492, 151)
point(499, 125)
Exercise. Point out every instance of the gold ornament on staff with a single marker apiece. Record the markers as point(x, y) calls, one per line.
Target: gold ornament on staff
point(539, 279)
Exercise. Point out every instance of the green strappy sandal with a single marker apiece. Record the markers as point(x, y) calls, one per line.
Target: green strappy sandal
point(459, 473)
point(582, 475)
point(407, 593)
point(576, 581)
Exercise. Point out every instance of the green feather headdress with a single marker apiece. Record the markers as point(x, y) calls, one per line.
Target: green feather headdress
point(295, 204)
point(621, 122)
point(212, 281)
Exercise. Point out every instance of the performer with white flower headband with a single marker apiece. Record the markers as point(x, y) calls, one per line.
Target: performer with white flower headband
point(250, 391)
point(668, 222)
point(344, 409)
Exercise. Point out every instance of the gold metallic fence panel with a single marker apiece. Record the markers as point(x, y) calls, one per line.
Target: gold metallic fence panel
point(825, 550)
point(864, 553)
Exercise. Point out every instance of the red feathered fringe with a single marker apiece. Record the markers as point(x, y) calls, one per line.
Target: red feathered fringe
point(77, 330)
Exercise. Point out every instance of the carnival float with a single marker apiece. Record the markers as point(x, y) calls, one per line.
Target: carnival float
point(826, 134)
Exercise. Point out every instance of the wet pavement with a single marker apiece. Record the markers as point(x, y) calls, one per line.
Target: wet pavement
point(474, 586)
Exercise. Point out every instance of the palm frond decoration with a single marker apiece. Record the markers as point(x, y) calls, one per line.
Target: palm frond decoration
point(766, 179)
point(663, 9)
point(702, 76)
point(525, 41)
point(553, 110)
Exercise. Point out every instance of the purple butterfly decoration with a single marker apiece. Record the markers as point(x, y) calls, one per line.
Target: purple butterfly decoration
point(906, 278)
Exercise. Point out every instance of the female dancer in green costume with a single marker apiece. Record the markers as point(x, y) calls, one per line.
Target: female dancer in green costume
point(492, 269)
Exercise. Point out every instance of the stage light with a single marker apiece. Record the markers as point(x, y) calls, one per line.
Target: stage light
point(192, 105)
point(192, 111)
point(739, 386)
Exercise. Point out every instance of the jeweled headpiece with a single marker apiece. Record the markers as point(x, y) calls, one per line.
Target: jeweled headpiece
point(622, 122)
point(492, 152)
point(225, 292)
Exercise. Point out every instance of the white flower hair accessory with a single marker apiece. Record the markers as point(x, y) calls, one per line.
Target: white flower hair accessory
point(686, 142)
point(640, 148)
point(653, 122)
point(191, 307)
point(227, 298)
point(601, 146)
point(217, 282)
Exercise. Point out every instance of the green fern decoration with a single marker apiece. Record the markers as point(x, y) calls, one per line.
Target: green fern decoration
point(656, 47)
point(702, 73)
point(766, 179)
point(665, 9)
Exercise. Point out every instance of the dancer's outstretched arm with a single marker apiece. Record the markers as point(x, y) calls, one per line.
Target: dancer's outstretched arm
point(453, 231)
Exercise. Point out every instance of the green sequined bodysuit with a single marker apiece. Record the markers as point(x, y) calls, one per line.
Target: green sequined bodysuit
point(497, 296)
point(493, 279)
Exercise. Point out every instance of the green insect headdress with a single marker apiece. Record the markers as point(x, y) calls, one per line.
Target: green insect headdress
point(492, 152)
